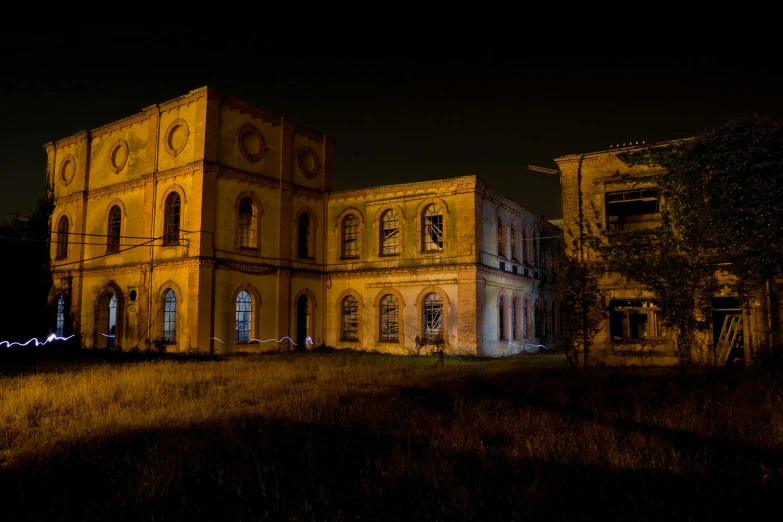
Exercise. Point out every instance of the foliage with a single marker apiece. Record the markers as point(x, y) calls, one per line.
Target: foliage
point(583, 304)
point(722, 210)
point(27, 278)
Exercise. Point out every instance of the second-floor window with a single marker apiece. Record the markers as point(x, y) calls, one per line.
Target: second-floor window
point(350, 237)
point(246, 222)
point(171, 221)
point(514, 244)
point(62, 238)
point(501, 239)
point(632, 209)
point(115, 227)
point(390, 233)
point(433, 228)
point(303, 240)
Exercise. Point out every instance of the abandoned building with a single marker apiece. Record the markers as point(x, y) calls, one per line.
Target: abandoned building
point(207, 224)
point(600, 192)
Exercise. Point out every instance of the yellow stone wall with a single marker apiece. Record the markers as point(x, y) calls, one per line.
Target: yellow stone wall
point(214, 150)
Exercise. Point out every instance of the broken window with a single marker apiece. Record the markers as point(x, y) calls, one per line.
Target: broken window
point(60, 315)
point(390, 315)
point(247, 220)
point(632, 209)
point(433, 228)
point(433, 316)
point(244, 316)
point(170, 317)
point(350, 318)
point(115, 226)
point(350, 236)
point(303, 249)
point(390, 233)
point(635, 319)
point(62, 238)
point(171, 222)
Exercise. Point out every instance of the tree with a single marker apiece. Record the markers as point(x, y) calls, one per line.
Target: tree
point(722, 194)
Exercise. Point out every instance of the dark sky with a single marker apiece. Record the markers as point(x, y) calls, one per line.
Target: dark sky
point(405, 103)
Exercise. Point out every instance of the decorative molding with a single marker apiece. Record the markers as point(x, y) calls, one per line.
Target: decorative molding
point(172, 149)
point(302, 156)
point(429, 282)
point(117, 125)
point(118, 187)
point(183, 100)
point(249, 131)
point(412, 190)
point(308, 193)
point(70, 140)
point(63, 171)
point(248, 177)
point(436, 270)
point(252, 110)
point(117, 164)
point(309, 134)
point(74, 196)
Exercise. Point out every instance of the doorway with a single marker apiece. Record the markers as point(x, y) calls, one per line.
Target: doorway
point(302, 316)
point(727, 335)
point(106, 322)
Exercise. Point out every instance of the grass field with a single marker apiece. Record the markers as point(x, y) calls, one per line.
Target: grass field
point(347, 436)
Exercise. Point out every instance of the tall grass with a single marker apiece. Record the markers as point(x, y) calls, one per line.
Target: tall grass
point(337, 436)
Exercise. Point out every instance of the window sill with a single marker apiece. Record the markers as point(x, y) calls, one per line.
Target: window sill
point(389, 255)
point(389, 342)
point(356, 341)
point(248, 249)
point(350, 258)
point(432, 252)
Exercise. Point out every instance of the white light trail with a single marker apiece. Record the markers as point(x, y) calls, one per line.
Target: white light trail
point(308, 340)
point(49, 339)
point(523, 349)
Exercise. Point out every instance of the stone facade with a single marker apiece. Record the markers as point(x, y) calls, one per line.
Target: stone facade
point(207, 224)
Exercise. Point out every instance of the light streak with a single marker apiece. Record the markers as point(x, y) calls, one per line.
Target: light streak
point(308, 340)
point(522, 347)
point(103, 334)
point(49, 339)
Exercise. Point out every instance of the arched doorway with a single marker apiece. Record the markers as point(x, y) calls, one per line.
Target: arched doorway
point(106, 322)
point(302, 313)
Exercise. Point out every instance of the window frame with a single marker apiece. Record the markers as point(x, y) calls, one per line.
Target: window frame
point(394, 238)
point(62, 238)
point(392, 322)
point(354, 225)
point(247, 227)
point(432, 210)
point(170, 316)
point(114, 230)
point(170, 228)
point(431, 302)
point(248, 321)
point(653, 320)
point(354, 308)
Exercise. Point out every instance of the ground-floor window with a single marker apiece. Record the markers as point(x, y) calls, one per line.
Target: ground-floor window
point(350, 319)
point(244, 313)
point(635, 319)
point(433, 316)
point(390, 311)
point(170, 317)
point(60, 316)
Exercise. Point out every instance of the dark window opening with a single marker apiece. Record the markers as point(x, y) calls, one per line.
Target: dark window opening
point(303, 249)
point(62, 238)
point(632, 209)
point(350, 319)
point(350, 237)
point(247, 220)
point(171, 224)
point(636, 319)
point(115, 225)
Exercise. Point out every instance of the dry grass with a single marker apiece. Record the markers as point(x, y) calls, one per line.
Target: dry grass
point(337, 436)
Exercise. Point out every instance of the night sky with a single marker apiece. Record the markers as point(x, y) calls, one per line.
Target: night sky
point(402, 106)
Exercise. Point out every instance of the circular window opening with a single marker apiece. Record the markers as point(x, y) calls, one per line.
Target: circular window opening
point(133, 295)
point(251, 143)
point(67, 169)
point(308, 162)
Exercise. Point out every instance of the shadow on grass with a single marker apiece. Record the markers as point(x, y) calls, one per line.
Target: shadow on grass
point(255, 468)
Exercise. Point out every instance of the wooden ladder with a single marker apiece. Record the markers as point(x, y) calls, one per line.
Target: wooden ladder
point(730, 337)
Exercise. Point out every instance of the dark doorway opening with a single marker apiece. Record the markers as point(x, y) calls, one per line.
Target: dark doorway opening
point(302, 312)
point(106, 322)
point(727, 334)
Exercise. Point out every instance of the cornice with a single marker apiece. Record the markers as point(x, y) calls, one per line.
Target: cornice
point(252, 110)
point(460, 185)
point(70, 140)
point(309, 134)
point(125, 122)
point(74, 196)
point(249, 177)
point(430, 282)
point(308, 193)
point(194, 96)
point(421, 270)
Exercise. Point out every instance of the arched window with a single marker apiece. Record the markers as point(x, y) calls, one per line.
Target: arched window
point(350, 237)
point(537, 319)
point(537, 246)
point(115, 226)
point(501, 239)
point(60, 315)
point(62, 238)
point(514, 243)
point(544, 319)
point(170, 317)
point(501, 319)
point(111, 340)
point(514, 319)
point(244, 316)
point(432, 228)
point(303, 240)
point(390, 233)
point(171, 221)
point(390, 315)
point(350, 319)
point(524, 245)
point(433, 316)
point(525, 320)
point(247, 223)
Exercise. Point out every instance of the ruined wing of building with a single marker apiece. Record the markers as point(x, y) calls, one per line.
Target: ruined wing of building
point(600, 192)
point(207, 224)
